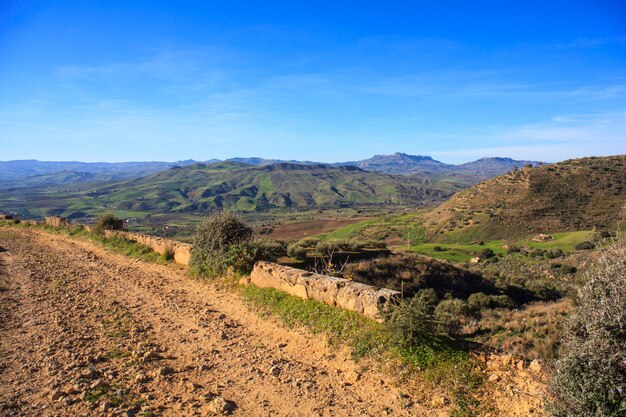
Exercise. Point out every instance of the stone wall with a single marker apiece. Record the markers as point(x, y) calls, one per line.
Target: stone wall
point(361, 298)
point(181, 251)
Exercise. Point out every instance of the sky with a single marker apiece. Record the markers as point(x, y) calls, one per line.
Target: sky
point(319, 80)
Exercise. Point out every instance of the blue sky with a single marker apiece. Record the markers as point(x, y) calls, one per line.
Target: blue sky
point(327, 81)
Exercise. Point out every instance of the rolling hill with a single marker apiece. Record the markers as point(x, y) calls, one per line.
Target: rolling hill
point(199, 188)
point(571, 195)
point(40, 173)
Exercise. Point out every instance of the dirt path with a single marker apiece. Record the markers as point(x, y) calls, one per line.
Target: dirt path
point(84, 331)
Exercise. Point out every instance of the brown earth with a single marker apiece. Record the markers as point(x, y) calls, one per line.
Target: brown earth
point(301, 230)
point(87, 332)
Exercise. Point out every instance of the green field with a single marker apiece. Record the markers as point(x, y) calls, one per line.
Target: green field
point(456, 252)
point(566, 241)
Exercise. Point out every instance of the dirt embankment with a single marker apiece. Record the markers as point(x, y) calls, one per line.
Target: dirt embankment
point(87, 332)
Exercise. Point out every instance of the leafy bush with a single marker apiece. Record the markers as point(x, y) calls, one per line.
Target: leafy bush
point(448, 314)
point(413, 318)
point(271, 249)
point(308, 242)
point(326, 248)
point(486, 253)
point(590, 377)
point(221, 241)
point(168, 255)
point(514, 249)
point(479, 302)
point(108, 221)
point(586, 245)
point(296, 250)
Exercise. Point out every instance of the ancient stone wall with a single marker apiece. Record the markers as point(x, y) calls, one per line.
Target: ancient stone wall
point(361, 298)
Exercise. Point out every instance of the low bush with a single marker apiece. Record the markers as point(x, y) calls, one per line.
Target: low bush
point(271, 249)
point(107, 221)
point(413, 319)
point(590, 376)
point(586, 245)
point(308, 242)
point(221, 241)
point(296, 250)
point(448, 314)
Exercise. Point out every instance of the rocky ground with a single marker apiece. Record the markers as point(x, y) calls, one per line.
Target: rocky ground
point(86, 332)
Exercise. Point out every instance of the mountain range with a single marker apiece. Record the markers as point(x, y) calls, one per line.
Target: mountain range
point(30, 173)
point(199, 188)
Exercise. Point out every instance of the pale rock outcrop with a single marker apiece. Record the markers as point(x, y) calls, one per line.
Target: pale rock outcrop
point(361, 298)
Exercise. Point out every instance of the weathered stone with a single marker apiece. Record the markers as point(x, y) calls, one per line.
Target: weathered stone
point(219, 405)
point(535, 367)
point(340, 292)
point(97, 384)
point(494, 378)
point(440, 401)
point(55, 221)
point(351, 377)
point(55, 394)
point(542, 238)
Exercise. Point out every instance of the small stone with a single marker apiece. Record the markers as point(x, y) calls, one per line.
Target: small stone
point(97, 384)
point(520, 365)
point(219, 405)
point(351, 377)
point(535, 367)
point(55, 394)
point(506, 360)
point(150, 356)
point(165, 371)
point(105, 406)
point(494, 378)
point(141, 378)
point(440, 401)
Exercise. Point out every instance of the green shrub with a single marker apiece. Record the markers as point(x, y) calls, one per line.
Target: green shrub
point(108, 221)
point(168, 255)
point(221, 241)
point(326, 248)
point(413, 319)
point(296, 250)
point(586, 245)
point(486, 253)
point(308, 242)
point(514, 249)
point(271, 249)
point(448, 314)
point(590, 376)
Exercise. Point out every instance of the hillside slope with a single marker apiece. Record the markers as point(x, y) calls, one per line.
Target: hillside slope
point(571, 195)
point(199, 188)
point(230, 185)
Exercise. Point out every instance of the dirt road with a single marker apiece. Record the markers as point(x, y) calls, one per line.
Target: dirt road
point(84, 331)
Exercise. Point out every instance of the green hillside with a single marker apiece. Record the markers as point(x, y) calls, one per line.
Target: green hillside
point(579, 194)
point(200, 188)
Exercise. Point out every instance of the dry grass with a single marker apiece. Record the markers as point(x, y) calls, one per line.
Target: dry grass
point(533, 332)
